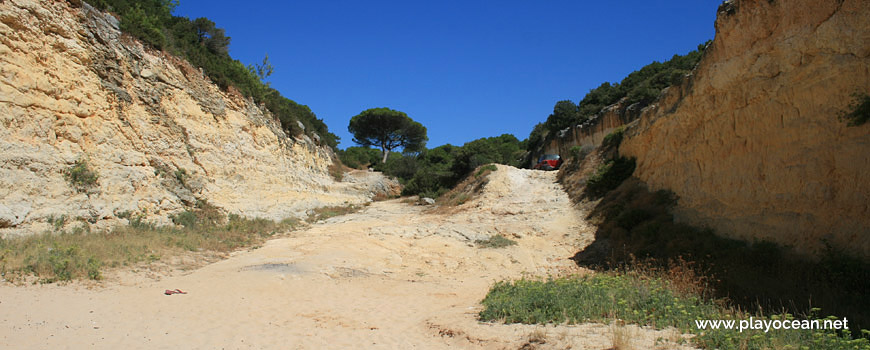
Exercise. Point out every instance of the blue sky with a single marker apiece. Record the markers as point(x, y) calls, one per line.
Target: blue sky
point(464, 69)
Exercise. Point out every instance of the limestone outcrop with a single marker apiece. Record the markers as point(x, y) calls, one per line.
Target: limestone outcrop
point(156, 132)
point(752, 143)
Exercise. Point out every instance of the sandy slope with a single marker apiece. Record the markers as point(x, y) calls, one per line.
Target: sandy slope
point(389, 277)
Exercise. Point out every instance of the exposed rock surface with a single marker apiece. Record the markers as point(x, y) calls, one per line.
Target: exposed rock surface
point(593, 131)
point(158, 133)
point(752, 143)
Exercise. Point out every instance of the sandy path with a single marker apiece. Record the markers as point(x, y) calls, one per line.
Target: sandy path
point(388, 277)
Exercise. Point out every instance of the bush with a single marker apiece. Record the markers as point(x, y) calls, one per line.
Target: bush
point(81, 176)
point(614, 138)
point(859, 111)
point(608, 176)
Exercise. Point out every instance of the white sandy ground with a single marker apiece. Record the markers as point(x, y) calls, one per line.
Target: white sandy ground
point(392, 276)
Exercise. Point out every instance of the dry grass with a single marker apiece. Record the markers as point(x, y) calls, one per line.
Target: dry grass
point(337, 170)
point(63, 255)
point(622, 337)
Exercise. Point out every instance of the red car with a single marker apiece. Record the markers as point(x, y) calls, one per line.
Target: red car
point(549, 162)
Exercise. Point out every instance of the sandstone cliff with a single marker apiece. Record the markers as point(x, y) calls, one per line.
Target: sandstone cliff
point(752, 144)
point(593, 131)
point(159, 134)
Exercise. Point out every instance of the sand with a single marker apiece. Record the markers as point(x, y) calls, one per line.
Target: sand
point(393, 276)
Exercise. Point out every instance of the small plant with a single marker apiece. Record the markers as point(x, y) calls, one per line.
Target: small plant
point(497, 241)
point(859, 111)
point(182, 176)
point(80, 176)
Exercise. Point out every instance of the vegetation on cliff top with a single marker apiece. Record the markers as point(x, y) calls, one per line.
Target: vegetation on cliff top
point(641, 87)
point(205, 45)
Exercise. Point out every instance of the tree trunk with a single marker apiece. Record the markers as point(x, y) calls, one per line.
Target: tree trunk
point(386, 153)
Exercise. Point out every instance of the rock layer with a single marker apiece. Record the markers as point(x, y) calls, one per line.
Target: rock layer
point(157, 132)
point(752, 143)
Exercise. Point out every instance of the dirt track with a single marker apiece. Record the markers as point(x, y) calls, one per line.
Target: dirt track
point(391, 277)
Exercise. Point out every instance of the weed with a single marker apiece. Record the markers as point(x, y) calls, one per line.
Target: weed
point(497, 241)
point(181, 175)
point(81, 176)
point(621, 338)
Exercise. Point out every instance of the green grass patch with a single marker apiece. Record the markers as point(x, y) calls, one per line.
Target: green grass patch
point(497, 241)
point(650, 301)
point(80, 254)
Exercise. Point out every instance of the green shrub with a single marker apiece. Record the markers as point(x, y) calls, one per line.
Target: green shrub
point(608, 176)
point(614, 138)
point(497, 241)
point(186, 218)
point(81, 176)
point(859, 111)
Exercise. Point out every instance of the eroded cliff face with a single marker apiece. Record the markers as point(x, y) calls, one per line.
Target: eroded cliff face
point(752, 143)
point(160, 135)
point(593, 131)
